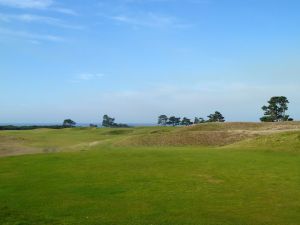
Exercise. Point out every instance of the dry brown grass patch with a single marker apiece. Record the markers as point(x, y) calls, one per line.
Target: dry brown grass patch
point(202, 138)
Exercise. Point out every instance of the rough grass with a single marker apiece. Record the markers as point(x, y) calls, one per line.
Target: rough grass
point(287, 141)
point(212, 134)
point(49, 140)
point(185, 138)
point(246, 126)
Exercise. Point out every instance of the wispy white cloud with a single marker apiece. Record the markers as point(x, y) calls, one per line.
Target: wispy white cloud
point(163, 1)
point(31, 18)
point(34, 4)
point(87, 77)
point(135, 13)
point(31, 36)
point(90, 76)
point(35, 36)
point(150, 19)
point(37, 4)
point(65, 11)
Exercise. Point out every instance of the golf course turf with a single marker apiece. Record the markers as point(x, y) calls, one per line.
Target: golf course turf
point(238, 174)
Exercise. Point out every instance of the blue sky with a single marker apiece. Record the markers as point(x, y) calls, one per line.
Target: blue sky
point(137, 59)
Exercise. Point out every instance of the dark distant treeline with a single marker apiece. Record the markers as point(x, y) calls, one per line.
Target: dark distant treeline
point(11, 127)
point(67, 123)
point(110, 122)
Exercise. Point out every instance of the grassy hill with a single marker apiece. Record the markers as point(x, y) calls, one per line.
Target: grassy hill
point(231, 173)
point(210, 134)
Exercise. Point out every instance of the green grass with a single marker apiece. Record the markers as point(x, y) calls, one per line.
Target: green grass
point(163, 185)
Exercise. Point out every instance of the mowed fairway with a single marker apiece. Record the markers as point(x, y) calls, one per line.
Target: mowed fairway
point(251, 175)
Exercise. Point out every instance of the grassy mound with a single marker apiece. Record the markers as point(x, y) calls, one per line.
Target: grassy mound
point(287, 141)
point(185, 138)
point(210, 134)
point(245, 126)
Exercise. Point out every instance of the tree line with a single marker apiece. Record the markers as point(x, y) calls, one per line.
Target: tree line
point(274, 111)
point(106, 122)
point(164, 120)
